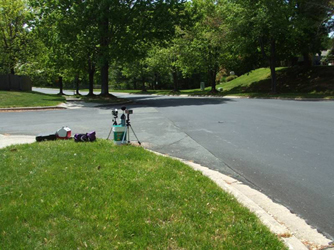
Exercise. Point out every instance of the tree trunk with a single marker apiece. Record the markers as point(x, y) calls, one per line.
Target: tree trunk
point(175, 81)
point(307, 60)
point(212, 79)
point(143, 83)
point(91, 82)
point(104, 46)
point(156, 79)
point(60, 80)
point(105, 79)
point(77, 84)
point(12, 66)
point(91, 72)
point(273, 66)
point(135, 83)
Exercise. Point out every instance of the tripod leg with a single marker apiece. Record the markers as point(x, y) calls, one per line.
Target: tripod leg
point(109, 134)
point(127, 127)
point(135, 135)
point(124, 135)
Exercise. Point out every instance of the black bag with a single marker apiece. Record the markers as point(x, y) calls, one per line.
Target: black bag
point(46, 137)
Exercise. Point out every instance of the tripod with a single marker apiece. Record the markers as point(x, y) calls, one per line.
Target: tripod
point(127, 132)
point(115, 113)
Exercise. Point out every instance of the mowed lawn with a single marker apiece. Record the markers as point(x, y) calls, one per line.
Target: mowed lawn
point(67, 195)
point(12, 99)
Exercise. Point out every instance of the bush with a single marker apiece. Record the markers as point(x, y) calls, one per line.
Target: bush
point(230, 78)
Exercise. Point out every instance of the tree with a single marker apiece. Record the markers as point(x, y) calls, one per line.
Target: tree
point(261, 26)
point(204, 44)
point(117, 26)
point(15, 41)
point(311, 24)
point(279, 29)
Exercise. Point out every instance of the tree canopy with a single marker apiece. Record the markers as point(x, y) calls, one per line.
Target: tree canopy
point(16, 44)
point(174, 42)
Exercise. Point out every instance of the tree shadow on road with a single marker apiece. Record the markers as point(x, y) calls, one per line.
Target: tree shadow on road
point(164, 102)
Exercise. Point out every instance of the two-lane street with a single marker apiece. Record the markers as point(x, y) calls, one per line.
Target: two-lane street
point(283, 148)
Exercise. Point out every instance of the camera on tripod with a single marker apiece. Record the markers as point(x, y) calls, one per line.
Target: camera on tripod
point(122, 129)
point(115, 113)
point(127, 111)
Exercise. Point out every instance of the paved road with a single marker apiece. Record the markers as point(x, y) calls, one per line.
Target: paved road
point(283, 148)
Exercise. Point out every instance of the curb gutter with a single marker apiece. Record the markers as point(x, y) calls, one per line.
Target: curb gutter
point(61, 106)
point(18, 109)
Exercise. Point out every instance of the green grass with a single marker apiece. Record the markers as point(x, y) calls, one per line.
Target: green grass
point(67, 195)
point(244, 81)
point(11, 99)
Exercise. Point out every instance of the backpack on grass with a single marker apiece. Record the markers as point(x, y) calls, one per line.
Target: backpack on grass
point(91, 136)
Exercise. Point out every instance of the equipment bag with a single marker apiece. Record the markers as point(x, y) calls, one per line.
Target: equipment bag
point(91, 136)
point(46, 137)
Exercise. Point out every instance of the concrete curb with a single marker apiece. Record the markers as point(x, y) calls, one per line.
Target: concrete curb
point(291, 229)
point(70, 105)
point(19, 109)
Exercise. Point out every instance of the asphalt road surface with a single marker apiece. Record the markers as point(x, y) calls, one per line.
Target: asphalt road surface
point(283, 148)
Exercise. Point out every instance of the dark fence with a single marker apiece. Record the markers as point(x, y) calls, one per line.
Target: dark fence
point(13, 82)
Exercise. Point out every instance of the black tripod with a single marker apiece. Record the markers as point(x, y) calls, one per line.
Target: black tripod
point(115, 114)
point(127, 132)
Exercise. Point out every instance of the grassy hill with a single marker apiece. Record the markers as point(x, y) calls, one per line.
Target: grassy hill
point(316, 81)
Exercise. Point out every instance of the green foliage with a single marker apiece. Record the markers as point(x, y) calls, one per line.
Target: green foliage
point(100, 33)
point(277, 30)
point(16, 41)
point(205, 42)
point(311, 25)
point(175, 43)
point(70, 195)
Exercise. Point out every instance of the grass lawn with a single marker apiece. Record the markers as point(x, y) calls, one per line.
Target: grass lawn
point(11, 99)
point(244, 81)
point(315, 82)
point(67, 195)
